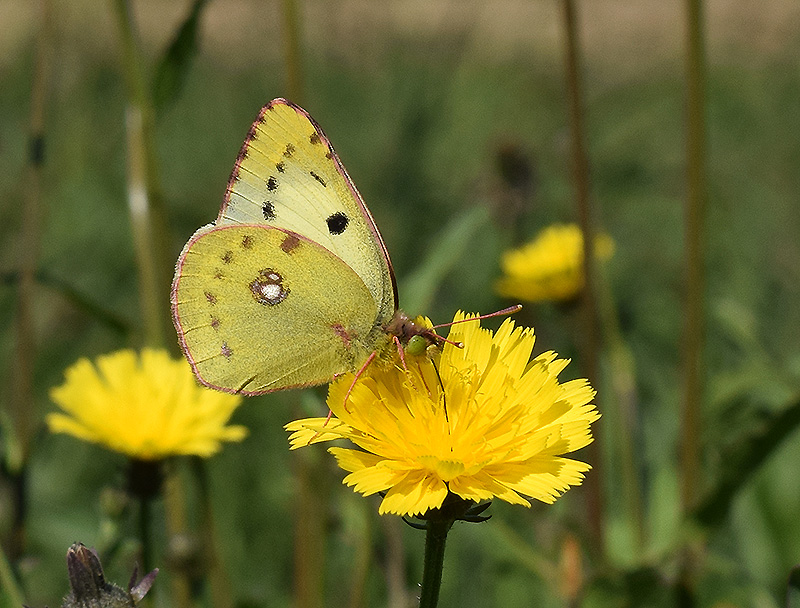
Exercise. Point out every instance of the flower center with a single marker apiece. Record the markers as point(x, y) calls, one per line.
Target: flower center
point(446, 470)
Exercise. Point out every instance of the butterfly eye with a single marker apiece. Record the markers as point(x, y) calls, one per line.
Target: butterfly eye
point(337, 223)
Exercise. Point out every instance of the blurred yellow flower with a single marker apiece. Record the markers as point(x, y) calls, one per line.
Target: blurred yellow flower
point(491, 423)
point(147, 407)
point(550, 267)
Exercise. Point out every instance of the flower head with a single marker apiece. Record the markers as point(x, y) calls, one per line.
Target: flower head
point(550, 267)
point(491, 423)
point(146, 406)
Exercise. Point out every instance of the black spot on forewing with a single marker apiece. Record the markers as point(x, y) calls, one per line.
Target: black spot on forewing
point(227, 257)
point(247, 241)
point(268, 210)
point(272, 183)
point(318, 178)
point(314, 139)
point(281, 167)
point(289, 150)
point(337, 223)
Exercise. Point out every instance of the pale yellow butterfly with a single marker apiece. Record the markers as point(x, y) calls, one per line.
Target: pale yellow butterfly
point(292, 284)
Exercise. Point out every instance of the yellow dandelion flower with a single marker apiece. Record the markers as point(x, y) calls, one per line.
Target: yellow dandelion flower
point(550, 267)
point(492, 423)
point(147, 407)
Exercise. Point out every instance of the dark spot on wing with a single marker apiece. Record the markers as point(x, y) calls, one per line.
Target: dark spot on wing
point(318, 178)
point(272, 183)
point(281, 167)
point(268, 288)
point(247, 241)
point(329, 155)
point(289, 150)
point(314, 139)
point(226, 351)
point(268, 210)
point(341, 332)
point(227, 258)
point(214, 323)
point(337, 223)
point(212, 299)
point(290, 243)
point(251, 134)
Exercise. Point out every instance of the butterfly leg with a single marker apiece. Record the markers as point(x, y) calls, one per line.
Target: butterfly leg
point(401, 352)
point(359, 373)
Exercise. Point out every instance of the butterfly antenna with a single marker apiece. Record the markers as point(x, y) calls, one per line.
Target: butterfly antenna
point(439, 338)
point(500, 313)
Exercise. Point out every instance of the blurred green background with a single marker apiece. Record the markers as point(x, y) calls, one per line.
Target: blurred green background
point(425, 103)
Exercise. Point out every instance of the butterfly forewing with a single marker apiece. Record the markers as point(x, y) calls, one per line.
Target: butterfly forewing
point(260, 309)
point(288, 176)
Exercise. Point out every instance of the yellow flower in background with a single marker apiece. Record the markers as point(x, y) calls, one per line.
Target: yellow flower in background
point(550, 267)
point(497, 424)
point(147, 407)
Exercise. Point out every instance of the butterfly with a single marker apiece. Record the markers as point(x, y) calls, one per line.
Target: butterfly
point(292, 285)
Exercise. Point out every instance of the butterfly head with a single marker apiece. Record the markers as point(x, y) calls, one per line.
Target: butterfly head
point(414, 335)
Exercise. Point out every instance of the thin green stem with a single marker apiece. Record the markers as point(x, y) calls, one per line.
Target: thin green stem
point(23, 413)
point(221, 594)
point(148, 216)
point(435, 540)
point(693, 330)
point(145, 520)
point(362, 560)
point(622, 378)
point(309, 523)
point(291, 43)
point(175, 522)
point(580, 167)
point(694, 326)
point(397, 595)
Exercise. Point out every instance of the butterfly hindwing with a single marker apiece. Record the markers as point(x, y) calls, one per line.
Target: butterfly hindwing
point(260, 308)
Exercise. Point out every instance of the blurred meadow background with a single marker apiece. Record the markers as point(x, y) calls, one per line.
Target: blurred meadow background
point(453, 119)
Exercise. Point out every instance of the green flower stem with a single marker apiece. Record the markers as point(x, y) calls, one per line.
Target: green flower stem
point(291, 44)
point(693, 329)
point(625, 424)
point(435, 540)
point(175, 522)
point(148, 215)
point(590, 333)
point(144, 522)
point(220, 586)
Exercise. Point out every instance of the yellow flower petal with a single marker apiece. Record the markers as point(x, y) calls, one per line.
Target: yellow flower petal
point(551, 266)
point(146, 405)
point(486, 422)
